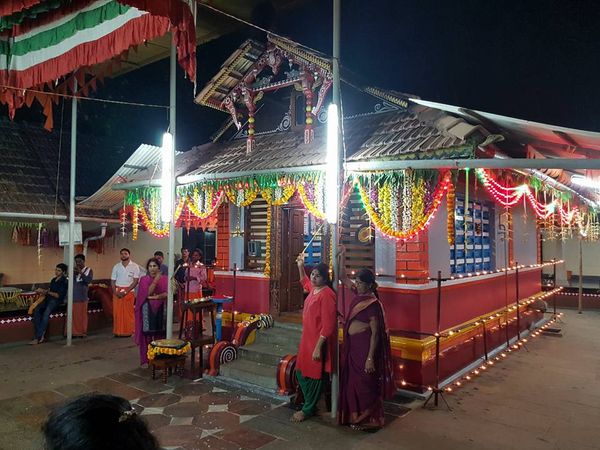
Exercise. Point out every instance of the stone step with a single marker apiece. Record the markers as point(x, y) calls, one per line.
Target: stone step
point(279, 336)
point(266, 353)
point(252, 372)
point(288, 326)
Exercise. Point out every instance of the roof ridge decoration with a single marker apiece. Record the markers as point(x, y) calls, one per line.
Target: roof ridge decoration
point(239, 83)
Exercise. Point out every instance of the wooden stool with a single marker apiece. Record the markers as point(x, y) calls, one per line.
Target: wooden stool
point(194, 333)
point(169, 365)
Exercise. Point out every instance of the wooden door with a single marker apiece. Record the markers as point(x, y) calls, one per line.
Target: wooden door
point(293, 243)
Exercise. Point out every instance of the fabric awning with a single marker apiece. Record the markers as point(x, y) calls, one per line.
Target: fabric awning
point(43, 41)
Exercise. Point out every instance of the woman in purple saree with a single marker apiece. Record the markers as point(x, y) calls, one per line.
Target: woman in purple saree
point(366, 377)
point(152, 289)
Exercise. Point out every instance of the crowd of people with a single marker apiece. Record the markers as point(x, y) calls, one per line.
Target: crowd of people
point(138, 295)
point(139, 310)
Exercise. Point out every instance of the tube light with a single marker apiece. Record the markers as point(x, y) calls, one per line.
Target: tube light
point(166, 200)
point(332, 170)
point(584, 181)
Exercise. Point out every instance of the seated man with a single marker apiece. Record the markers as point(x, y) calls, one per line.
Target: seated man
point(53, 297)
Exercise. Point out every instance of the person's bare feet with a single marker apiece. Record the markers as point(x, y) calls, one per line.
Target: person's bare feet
point(298, 417)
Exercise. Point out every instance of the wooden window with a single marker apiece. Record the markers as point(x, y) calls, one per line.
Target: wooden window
point(256, 234)
point(472, 252)
point(357, 236)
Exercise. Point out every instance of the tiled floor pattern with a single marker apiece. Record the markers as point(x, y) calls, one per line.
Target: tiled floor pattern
point(183, 414)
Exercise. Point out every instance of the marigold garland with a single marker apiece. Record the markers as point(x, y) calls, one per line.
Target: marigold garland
point(418, 196)
point(241, 197)
point(153, 228)
point(135, 221)
point(278, 196)
point(418, 226)
point(154, 351)
point(267, 271)
point(308, 204)
point(199, 208)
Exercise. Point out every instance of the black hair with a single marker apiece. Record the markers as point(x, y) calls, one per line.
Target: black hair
point(323, 270)
point(80, 256)
point(62, 267)
point(97, 421)
point(200, 252)
point(154, 260)
point(159, 253)
point(125, 249)
point(367, 276)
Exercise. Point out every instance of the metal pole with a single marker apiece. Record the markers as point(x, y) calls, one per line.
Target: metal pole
point(171, 251)
point(72, 214)
point(437, 337)
point(554, 287)
point(580, 299)
point(337, 8)
point(517, 295)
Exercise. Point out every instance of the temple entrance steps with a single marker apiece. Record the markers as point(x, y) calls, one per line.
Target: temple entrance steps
point(256, 365)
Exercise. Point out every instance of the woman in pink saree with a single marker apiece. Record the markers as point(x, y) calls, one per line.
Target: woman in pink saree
point(152, 289)
point(366, 376)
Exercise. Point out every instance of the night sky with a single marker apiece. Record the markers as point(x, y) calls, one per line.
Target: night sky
point(536, 60)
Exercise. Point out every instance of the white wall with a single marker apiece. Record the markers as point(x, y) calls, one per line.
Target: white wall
point(524, 235)
point(20, 264)
point(569, 251)
point(439, 249)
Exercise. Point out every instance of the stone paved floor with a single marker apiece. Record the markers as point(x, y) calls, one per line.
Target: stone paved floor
point(544, 398)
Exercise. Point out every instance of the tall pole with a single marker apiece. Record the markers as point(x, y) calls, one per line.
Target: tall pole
point(72, 215)
point(580, 297)
point(171, 251)
point(335, 64)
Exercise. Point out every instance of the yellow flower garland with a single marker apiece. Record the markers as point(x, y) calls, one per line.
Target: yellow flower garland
point(153, 351)
point(249, 196)
point(267, 271)
point(135, 221)
point(195, 210)
point(310, 207)
point(419, 225)
point(286, 194)
point(152, 228)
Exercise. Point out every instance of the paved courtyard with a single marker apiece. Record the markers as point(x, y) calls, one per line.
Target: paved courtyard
point(545, 398)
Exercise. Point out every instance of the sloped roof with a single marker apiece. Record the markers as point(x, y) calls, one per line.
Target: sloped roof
point(143, 160)
point(377, 136)
point(31, 178)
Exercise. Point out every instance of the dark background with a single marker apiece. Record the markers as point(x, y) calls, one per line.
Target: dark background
point(535, 59)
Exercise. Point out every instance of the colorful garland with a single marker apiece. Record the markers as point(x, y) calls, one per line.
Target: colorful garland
point(242, 196)
point(279, 195)
point(416, 225)
point(267, 271)
point(549, 213)
point(135, 222)
point(451, 210)
point(309, 205)
point(204, 203)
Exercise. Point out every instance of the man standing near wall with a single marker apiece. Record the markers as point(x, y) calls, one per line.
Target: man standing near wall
point(164, 269)
point(124, 278)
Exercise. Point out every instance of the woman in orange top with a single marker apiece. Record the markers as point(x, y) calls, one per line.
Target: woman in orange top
point(318, 336)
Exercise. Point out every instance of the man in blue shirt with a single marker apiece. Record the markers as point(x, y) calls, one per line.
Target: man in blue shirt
point(54, 296)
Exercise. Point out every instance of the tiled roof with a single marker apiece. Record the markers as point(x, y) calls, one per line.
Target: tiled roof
point(380, 136)
point(28, 170)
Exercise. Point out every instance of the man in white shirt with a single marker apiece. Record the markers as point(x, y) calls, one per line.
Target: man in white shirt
point(124, 278)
